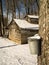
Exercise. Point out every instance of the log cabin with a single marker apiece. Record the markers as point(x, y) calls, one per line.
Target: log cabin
point(20, 30)
point(33, 19)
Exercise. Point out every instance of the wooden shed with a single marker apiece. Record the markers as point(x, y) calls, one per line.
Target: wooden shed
point(20, 30)
point(34, 19)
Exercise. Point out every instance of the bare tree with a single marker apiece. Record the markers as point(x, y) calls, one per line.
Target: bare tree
point(2, 21)
point(37, 1)
point(13, 9)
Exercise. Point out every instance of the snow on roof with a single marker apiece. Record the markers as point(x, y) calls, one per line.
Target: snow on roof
point(26, 25)
point(33, 16)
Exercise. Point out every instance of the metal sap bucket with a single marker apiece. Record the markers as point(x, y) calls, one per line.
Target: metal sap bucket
point(35, 44)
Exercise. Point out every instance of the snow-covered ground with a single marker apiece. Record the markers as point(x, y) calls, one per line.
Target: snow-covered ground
point(13, 54)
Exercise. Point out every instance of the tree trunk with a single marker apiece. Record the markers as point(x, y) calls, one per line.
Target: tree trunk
point(13, 9)
point(44, 31)
point(2, 22)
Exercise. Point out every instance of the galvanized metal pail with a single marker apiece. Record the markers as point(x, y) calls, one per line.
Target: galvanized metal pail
point(35, 44)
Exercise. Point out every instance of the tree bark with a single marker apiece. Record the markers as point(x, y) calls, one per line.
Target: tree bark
point(2, 21)
point(44, 31)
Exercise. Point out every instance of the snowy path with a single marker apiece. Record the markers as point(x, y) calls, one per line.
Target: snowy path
point(12, 54)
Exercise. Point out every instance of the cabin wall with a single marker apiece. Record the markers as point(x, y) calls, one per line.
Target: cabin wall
point(32, 20)
point(14, 34)
point(27, 33)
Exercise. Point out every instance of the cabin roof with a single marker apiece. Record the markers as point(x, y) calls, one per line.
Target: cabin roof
point(26, 25)
point(11, 24)
point(33, 16)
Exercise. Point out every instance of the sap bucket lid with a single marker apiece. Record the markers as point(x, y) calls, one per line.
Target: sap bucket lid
point(35, 37)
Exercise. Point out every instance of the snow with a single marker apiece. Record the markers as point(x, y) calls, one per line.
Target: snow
point(26, 25)
point(36, 36)
point(33, 16)
point(6, 42)
point(15, 55)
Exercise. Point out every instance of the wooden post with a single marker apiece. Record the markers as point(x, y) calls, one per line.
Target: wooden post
point(44, 31)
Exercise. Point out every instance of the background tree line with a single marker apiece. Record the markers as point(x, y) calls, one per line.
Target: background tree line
point(10, 9)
